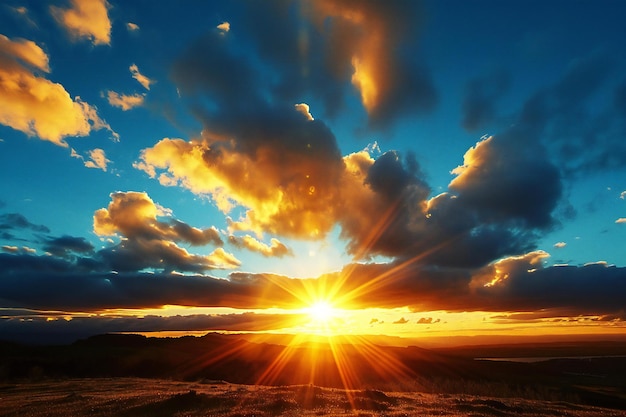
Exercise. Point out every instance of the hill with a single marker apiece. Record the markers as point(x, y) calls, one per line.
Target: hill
point(216, 357)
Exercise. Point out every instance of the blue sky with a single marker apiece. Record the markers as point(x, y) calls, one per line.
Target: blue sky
point(459, 155)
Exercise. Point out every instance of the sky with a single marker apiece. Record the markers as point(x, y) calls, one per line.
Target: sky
point(402, 168)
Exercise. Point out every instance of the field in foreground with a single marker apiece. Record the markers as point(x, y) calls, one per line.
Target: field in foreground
point(134, 397)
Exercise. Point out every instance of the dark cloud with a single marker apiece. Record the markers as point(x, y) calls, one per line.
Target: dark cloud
point(390, 197)
point(401, 321)
point(507, 179)
point(65, 246)
point(7, 236)
point(9, 221)
point(500, 202)
point(480, 100)
point(524, 285)
point(579, 118)
point(37, 327)
point(139, 254)
point(44, 282)
point(494, 208)
point(314, 52)
point(518, 283)
point(373, 39)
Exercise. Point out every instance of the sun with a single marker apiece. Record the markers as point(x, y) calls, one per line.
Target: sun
point(324, 318)
point(321, 312)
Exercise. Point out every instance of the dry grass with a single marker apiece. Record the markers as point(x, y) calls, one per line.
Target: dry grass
point(132, 397)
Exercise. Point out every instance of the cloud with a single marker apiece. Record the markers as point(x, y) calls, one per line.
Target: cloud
point(513, 284)
point(401, 321)
point(427, 320)
point(125, 101)
point(49, 328)
point(581, 136)
point(97, 160)
point(67, 246)
point(304, 109)
point(20, 54)
point(224, 27)
point(132, 27)
point(22, 13)
point(134, 214)
point(277, 248)
point(559, 245)
point(621, 220)
point(141, 79)
point(622, 195)
point(147, 242)
point(299, 159)
point(523, 284)
point(53, 283)
point(9, 221)
point(36, 106)
point(18, 250)
point(85, 19)
point(381, 205)
point(479, 102)
point(504, 178)
point(318, 55)
point(369, 38)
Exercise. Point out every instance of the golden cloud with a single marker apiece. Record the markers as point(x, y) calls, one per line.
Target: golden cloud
point(97, 159)
point(147, 241)
point(124, 101)
point(141, 79)
point(497, 273)
point(276, 249)
point(86, 19)
point(297, 195)
point(134, 214)
point(303, 192)
point(36, 106)
point(224, 27)
point(365, 35)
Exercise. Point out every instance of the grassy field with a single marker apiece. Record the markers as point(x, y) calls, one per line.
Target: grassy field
point(135, 397)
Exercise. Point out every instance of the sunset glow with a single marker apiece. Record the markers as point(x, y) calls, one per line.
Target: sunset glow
point(326, 173)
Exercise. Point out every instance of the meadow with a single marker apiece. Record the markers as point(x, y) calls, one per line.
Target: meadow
point(225, 375)
point(136, 397)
